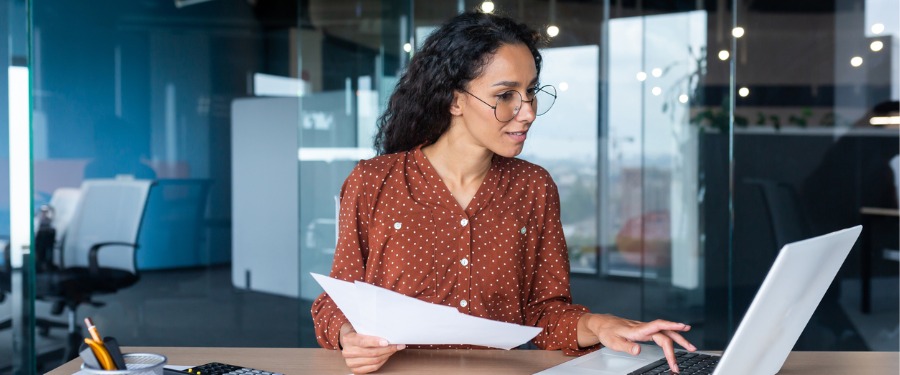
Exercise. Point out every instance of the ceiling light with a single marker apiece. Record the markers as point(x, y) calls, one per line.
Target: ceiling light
point(885, 120)
point(563, 86)
point(552, 31)
point(723, 55)
point(877, 28)
point(683, 98)
point(407, 47)
point(656, 72)
point(856, 61)
point(487, 6)
point(641, 76)
point(743, 92)
point(737, 32)
point(656, 90)
point(876, 46)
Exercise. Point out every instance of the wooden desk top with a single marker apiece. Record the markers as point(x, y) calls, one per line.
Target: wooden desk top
point(473, 362)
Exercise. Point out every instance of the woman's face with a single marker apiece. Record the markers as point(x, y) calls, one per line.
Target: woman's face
point(511, 69)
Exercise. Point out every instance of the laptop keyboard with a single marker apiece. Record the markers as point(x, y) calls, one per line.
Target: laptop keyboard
point(688, 363)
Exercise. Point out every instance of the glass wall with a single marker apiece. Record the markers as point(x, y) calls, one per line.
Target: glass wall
point(815, 137)
point(16, 273)
point(690, 141)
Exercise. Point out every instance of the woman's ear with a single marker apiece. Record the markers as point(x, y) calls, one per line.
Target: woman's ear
point(457, 104)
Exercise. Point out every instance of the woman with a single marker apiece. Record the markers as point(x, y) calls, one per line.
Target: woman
point(446, 213)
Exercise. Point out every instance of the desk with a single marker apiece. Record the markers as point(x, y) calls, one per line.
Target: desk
point(474, 362)
point(867, 214)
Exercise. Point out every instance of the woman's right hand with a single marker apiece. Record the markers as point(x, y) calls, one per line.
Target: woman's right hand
point(364, 354)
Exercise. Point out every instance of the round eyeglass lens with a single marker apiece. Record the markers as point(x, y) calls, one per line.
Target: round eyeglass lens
point(509, 103)
point(544, 99)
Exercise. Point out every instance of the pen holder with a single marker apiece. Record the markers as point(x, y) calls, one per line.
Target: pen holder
point(135, 363)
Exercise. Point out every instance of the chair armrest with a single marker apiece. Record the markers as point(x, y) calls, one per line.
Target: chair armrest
point(93, 266)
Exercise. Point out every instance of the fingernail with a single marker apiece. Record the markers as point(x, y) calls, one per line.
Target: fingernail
point(634, 350)
point(401, 346)
point(383, 343)
point(693, 347)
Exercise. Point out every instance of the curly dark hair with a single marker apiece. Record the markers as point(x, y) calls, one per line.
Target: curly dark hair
point(418, 111)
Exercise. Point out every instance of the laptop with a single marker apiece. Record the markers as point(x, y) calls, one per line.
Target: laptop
point(778, 314)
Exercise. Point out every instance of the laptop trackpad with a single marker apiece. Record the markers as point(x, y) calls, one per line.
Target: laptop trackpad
point(613, 363)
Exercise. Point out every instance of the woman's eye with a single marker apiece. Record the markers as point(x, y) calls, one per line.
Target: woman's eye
point(506, 96)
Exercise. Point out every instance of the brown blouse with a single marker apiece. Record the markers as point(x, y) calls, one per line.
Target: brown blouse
point(503, 258)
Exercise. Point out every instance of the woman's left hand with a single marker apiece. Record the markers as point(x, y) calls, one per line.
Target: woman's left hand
point(622, 334)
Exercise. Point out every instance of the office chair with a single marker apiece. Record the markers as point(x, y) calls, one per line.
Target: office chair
point(786, 216)
point(97, 252)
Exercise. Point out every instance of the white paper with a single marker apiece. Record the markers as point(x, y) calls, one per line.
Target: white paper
point(401, 319)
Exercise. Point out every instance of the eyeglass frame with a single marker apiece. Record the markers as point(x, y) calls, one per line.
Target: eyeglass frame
point(516, 111)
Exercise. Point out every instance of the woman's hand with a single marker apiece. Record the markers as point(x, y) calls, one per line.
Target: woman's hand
point(621, 334)
point(364, 354)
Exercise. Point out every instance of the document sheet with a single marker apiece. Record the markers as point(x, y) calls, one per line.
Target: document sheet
point(401, 319)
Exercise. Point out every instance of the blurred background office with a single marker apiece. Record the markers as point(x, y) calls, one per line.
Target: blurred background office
point(690, 141)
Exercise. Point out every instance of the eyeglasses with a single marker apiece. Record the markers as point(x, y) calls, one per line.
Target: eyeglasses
point(510, 102)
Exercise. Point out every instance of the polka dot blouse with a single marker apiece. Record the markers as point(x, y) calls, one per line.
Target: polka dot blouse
point(503, 257)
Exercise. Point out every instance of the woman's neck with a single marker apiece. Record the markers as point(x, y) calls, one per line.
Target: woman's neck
point(461, 167)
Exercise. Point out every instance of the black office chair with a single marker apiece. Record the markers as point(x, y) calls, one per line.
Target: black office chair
point(107, 217)
point(787, 219)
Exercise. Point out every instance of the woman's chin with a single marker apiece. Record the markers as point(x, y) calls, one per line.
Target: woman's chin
point(509, 152)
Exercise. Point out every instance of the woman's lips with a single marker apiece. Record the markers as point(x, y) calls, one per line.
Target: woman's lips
point(518, 136)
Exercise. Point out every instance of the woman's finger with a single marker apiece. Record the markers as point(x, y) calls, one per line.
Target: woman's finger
point(665, 342)
point(619, 343)
point(369, 363)
point(647, 330)
point(365, 369)
point(678, 338)
point(357, 339)
point(367, 352)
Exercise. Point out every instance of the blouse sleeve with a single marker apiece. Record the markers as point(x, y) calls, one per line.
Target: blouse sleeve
point(550, 301)
point(349, 257)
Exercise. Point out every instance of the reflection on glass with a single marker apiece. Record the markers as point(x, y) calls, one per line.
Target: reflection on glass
point(564, 140)
point(652, 156)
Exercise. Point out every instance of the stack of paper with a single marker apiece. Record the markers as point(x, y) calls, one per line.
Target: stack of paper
point(400, 319)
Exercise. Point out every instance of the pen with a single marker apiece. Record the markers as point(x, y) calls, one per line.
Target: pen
point(96, 344)
point(93, 330)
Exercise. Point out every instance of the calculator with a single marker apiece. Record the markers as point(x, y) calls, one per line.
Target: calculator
point(216, 368)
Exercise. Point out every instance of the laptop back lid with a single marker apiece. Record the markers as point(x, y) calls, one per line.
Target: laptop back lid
point(785, 302)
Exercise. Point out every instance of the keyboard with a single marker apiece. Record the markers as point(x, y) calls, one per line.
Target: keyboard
point(688, 363)
point(216, 368)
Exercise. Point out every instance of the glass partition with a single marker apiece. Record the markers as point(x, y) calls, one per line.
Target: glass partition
point(16, 236)
point(244, 117)
point(816, 133)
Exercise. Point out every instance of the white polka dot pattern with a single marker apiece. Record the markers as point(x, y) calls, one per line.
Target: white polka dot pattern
point(503, 257)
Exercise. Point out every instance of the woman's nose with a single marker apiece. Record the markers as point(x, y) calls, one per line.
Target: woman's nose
point(526, 111)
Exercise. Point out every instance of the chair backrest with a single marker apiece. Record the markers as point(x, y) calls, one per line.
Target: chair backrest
point(110, 210)
point(786, 215)
point(64, 202)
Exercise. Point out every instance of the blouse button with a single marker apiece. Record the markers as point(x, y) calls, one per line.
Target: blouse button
point(464, 222)
point(464, 262)
point(463, 303)
point(398, 225)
